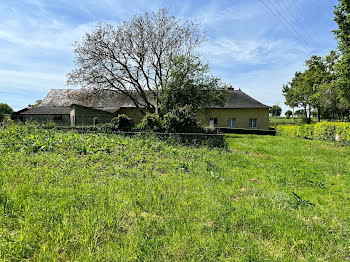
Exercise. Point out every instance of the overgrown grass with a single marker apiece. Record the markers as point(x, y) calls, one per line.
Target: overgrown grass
point(67, 196)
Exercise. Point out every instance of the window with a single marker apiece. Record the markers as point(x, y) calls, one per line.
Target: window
point(232, 122)
point(213, 122)
point(253, 123)
point(57, 117)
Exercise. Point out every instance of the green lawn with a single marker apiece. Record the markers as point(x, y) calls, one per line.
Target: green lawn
point(75, 197)
point(277, 121)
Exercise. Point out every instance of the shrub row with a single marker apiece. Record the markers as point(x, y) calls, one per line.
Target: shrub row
point(325, 131)
point(170, 123)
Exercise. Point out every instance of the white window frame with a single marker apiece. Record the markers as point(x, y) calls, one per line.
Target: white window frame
point(253, 123)
point(231, 121)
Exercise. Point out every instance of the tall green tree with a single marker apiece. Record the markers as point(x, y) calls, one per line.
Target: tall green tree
point(288, 113)
point(290, 96)
point(315, 88)
point(275, 110)
point(5, 109)
point(297, 94)
point(333, 104)
point(342, 18)
point(315, 76)
point(191, 84)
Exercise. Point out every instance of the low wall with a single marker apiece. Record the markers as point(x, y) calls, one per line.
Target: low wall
point(194, 139)
point(271, 132)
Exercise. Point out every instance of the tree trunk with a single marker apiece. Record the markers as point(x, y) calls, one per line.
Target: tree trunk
point(309, 119)
point(306, 116)
point(293, 117)
point(319, 114)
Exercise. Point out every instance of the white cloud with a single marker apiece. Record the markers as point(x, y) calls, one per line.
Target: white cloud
point(52, 35)
point(37, 80)
point(226, 52)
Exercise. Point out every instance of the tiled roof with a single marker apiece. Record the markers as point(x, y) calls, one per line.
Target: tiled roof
point(58, 101)
point(102, 100)
point(48, 110)
point(239, 99)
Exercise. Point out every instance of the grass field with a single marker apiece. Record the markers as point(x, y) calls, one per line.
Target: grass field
point(76, 197)
point(277, 121)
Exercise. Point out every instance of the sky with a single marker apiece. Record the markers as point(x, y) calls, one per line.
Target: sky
point(254, 45)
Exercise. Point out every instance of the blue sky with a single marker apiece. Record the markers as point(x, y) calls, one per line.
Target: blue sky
point(248, 46)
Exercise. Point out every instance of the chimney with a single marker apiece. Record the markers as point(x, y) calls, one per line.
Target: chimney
point(231, 88)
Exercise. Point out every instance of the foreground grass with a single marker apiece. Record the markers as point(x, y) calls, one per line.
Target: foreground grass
point(67, 196)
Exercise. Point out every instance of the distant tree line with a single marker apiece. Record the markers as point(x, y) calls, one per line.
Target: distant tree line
point(275, 110)
point(5, 109)
point(323, 88)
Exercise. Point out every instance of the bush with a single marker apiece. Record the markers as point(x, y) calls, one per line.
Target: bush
point(2, 117)
point(325, 131)
point(171, 122)
point(151, 122)
point(50, 124)
point(290, 131)
point(122, 122)
point(181, 119)
point(306, 131)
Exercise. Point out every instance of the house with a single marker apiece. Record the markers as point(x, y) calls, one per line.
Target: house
point(80, 107)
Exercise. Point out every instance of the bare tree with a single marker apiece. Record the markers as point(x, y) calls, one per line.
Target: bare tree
point(134, 57)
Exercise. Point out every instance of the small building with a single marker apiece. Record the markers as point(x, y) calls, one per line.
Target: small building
point(79, 107)
point(239, 111)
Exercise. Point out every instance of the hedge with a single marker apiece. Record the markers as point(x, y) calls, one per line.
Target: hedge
point(325, 131)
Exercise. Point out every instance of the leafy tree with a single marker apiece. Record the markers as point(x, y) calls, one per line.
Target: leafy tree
point(151, 122)
point(288, 113)
point(290, 95)
point(181, 119)
point(312, 88)
point(122, 122)
point(299, 112)
point(37, 102)
point(297, 94)
point(275, 110)
point(315, 76)
point(2, 117)
point(342, 18)
point(191, 84)
point(134, 58)
point(5, 109)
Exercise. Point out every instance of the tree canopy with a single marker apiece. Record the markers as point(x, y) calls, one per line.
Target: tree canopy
point(5, 109)
point(342, 18)
point(37, 102)
point(275, 110)
point(315, 88)
point(142, 59)
point(325, 84)
point(190, 83)
point(288, 113)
